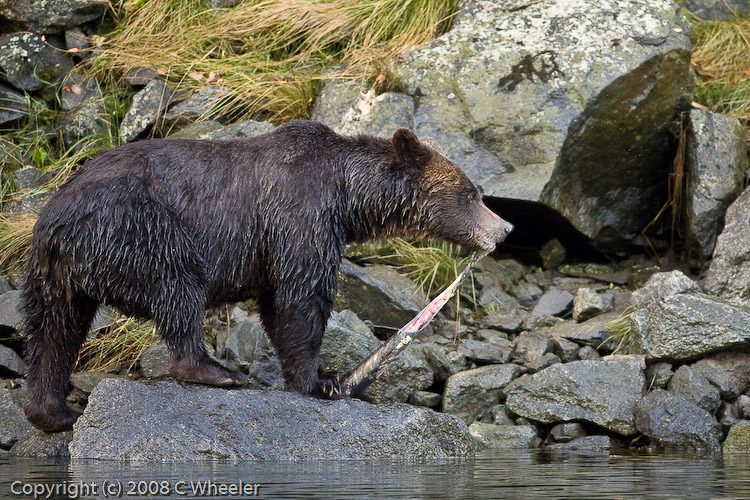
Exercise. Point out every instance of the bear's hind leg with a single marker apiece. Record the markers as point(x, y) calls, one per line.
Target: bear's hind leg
point(182, 331)
point(56, 330)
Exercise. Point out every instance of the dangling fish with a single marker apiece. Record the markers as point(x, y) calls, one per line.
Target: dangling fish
point(379, 361)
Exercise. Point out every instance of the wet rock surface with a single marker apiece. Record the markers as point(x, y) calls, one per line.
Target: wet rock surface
point(148, 105)
point(502, 436)
point(42, 16)
point(715, 168)
point(674, 320)
point(468, 394)
point(672, 422)
point(573, 391)
point(379, 294)
point(201, 423)
point(729, 273)
point(39, 444)
point(13, 424)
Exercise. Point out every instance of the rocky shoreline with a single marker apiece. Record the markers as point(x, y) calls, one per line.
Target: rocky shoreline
point(530, 376)
point(537, 358)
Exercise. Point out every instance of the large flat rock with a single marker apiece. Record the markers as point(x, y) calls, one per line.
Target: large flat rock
point(127, 420)
point(729, 273)
point(601, 392)
point(675, 321)
point(529, 96)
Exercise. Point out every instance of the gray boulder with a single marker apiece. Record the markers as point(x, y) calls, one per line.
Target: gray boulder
point(469, 394)
point(85, 115)
point(491, 436)
point(202, 104)
point(349, 109)
point(659, 374)
point(76, 41)
point(13, 423)
point(529, 346)
point(149, 104)
point(589, 302)
point(675, 321)
point(728, 276)
point(715, 166)
point(210, 129)
point(729, 371)
point(567, 431)
point(348, 341)
point(30, 178)
point(586, 443)
point(671, 421)
point(379, 294)
point(553, 254)
point(247, 346)
point(592, 332)
point(719, 10)
point(77, 89)
point(39, 444)
point(528, 97)
point(42, 16)
point(695, 387)
point(566, 350)
point(426, 399)
point(509, 321)
point(588, 353)
point(486, 352)
point(168, 421)
point(86, 381)
point(738, 439)
point(10, 311)
point(11, 364)
point(574, 391)
point(553, 303)
point(13, 106)
point(154, 361)
point(28, 63)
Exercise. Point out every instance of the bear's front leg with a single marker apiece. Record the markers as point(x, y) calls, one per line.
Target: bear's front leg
point(296, 332)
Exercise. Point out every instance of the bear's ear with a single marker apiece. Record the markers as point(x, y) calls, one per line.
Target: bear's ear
point(409, 150)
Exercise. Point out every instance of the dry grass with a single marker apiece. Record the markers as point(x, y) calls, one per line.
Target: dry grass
point(621, 330)
point(269, 53)
point(119, 346)
point(15, 240)
point(721, 59)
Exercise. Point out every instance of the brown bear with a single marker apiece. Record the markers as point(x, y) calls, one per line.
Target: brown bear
point(164, 229)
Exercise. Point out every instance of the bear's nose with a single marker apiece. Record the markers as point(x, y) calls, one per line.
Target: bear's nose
point(508, 227)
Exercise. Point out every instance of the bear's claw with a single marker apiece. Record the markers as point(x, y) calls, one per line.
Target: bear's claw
point(330, 385)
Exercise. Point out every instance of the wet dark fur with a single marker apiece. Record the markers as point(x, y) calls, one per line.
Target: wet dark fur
point(164, 229)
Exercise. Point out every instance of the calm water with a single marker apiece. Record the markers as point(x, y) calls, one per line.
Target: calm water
point(492, 474)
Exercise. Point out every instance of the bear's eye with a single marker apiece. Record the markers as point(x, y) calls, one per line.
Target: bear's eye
point(472, 197)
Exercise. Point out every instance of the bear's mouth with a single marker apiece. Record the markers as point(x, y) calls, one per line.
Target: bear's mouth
point(488, 244)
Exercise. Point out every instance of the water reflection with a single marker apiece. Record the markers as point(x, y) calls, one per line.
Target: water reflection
point(492, 474)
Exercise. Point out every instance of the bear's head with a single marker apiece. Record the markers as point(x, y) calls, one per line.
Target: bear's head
point(448, 205)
